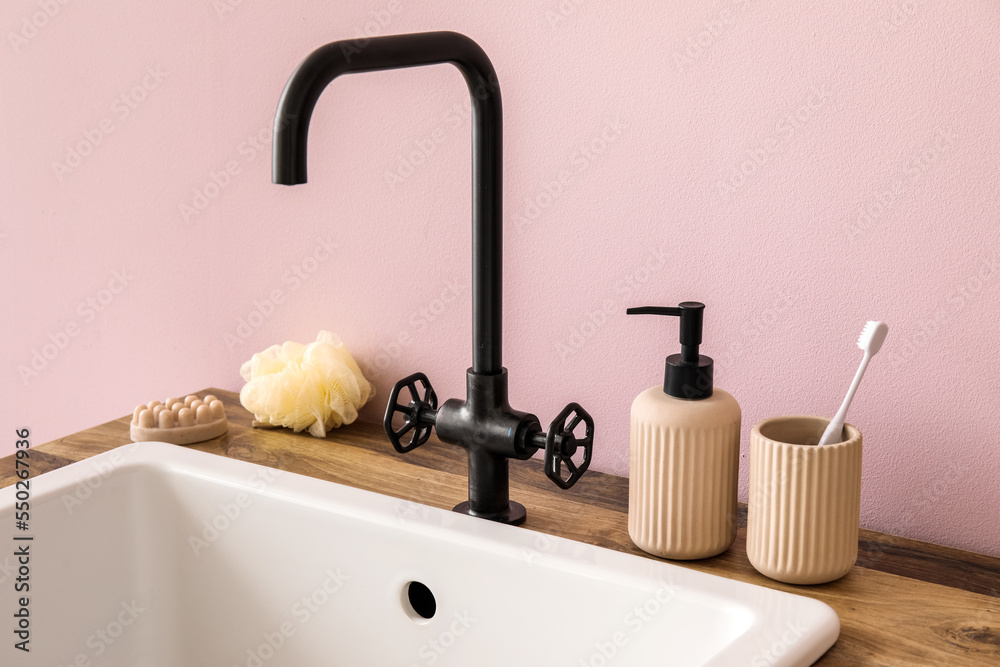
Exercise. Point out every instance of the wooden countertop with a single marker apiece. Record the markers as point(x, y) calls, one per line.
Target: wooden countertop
point(905, 603)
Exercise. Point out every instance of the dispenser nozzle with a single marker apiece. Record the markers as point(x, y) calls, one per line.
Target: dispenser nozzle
point(692, 316)
point(688, 374)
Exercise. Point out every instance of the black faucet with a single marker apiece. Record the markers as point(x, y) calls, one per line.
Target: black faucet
point(484, 423)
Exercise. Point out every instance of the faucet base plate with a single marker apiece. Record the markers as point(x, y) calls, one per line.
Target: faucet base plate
point(514, 515)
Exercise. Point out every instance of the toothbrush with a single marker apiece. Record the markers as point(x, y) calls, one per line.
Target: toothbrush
point(870, 341)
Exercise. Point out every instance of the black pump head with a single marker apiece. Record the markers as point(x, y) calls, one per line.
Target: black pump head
point(687, 375)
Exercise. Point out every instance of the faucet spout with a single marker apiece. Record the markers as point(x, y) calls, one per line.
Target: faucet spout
point(291, 133)
point(484, 424)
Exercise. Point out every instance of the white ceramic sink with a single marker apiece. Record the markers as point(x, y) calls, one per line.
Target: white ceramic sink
point(155, 555)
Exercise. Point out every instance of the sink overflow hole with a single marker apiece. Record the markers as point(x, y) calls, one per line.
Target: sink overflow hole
point(421, 599)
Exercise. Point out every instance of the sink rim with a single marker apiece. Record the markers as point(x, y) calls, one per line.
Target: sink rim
point(516, 542)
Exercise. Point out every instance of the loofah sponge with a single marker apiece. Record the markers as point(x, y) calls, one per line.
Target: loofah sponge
point(316, 386)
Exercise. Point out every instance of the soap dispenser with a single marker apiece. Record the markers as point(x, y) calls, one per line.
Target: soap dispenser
point(684, 453)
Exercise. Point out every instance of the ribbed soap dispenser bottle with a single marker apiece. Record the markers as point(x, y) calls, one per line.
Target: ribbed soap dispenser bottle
point(684, 453)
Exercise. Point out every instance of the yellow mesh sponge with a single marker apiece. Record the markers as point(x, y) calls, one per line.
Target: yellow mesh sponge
point(316, 386)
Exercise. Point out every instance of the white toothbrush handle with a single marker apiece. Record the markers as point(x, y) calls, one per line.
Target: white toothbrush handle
point(834, 432)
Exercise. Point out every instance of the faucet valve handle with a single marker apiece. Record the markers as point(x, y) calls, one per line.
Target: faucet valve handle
point(561, 444)
point(419, 415)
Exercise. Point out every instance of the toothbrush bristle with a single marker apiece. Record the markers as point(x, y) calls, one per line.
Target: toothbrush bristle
point(865, 333)
point(872, 336)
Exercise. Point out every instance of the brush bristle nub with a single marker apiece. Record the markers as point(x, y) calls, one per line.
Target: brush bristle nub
point(872, 336)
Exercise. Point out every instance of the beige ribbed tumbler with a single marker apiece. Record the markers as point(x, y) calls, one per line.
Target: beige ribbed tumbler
point(805, 500)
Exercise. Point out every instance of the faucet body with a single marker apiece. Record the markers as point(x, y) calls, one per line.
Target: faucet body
point(484, 423)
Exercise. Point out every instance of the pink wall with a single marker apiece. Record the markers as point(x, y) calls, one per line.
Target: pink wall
point(799, 169)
